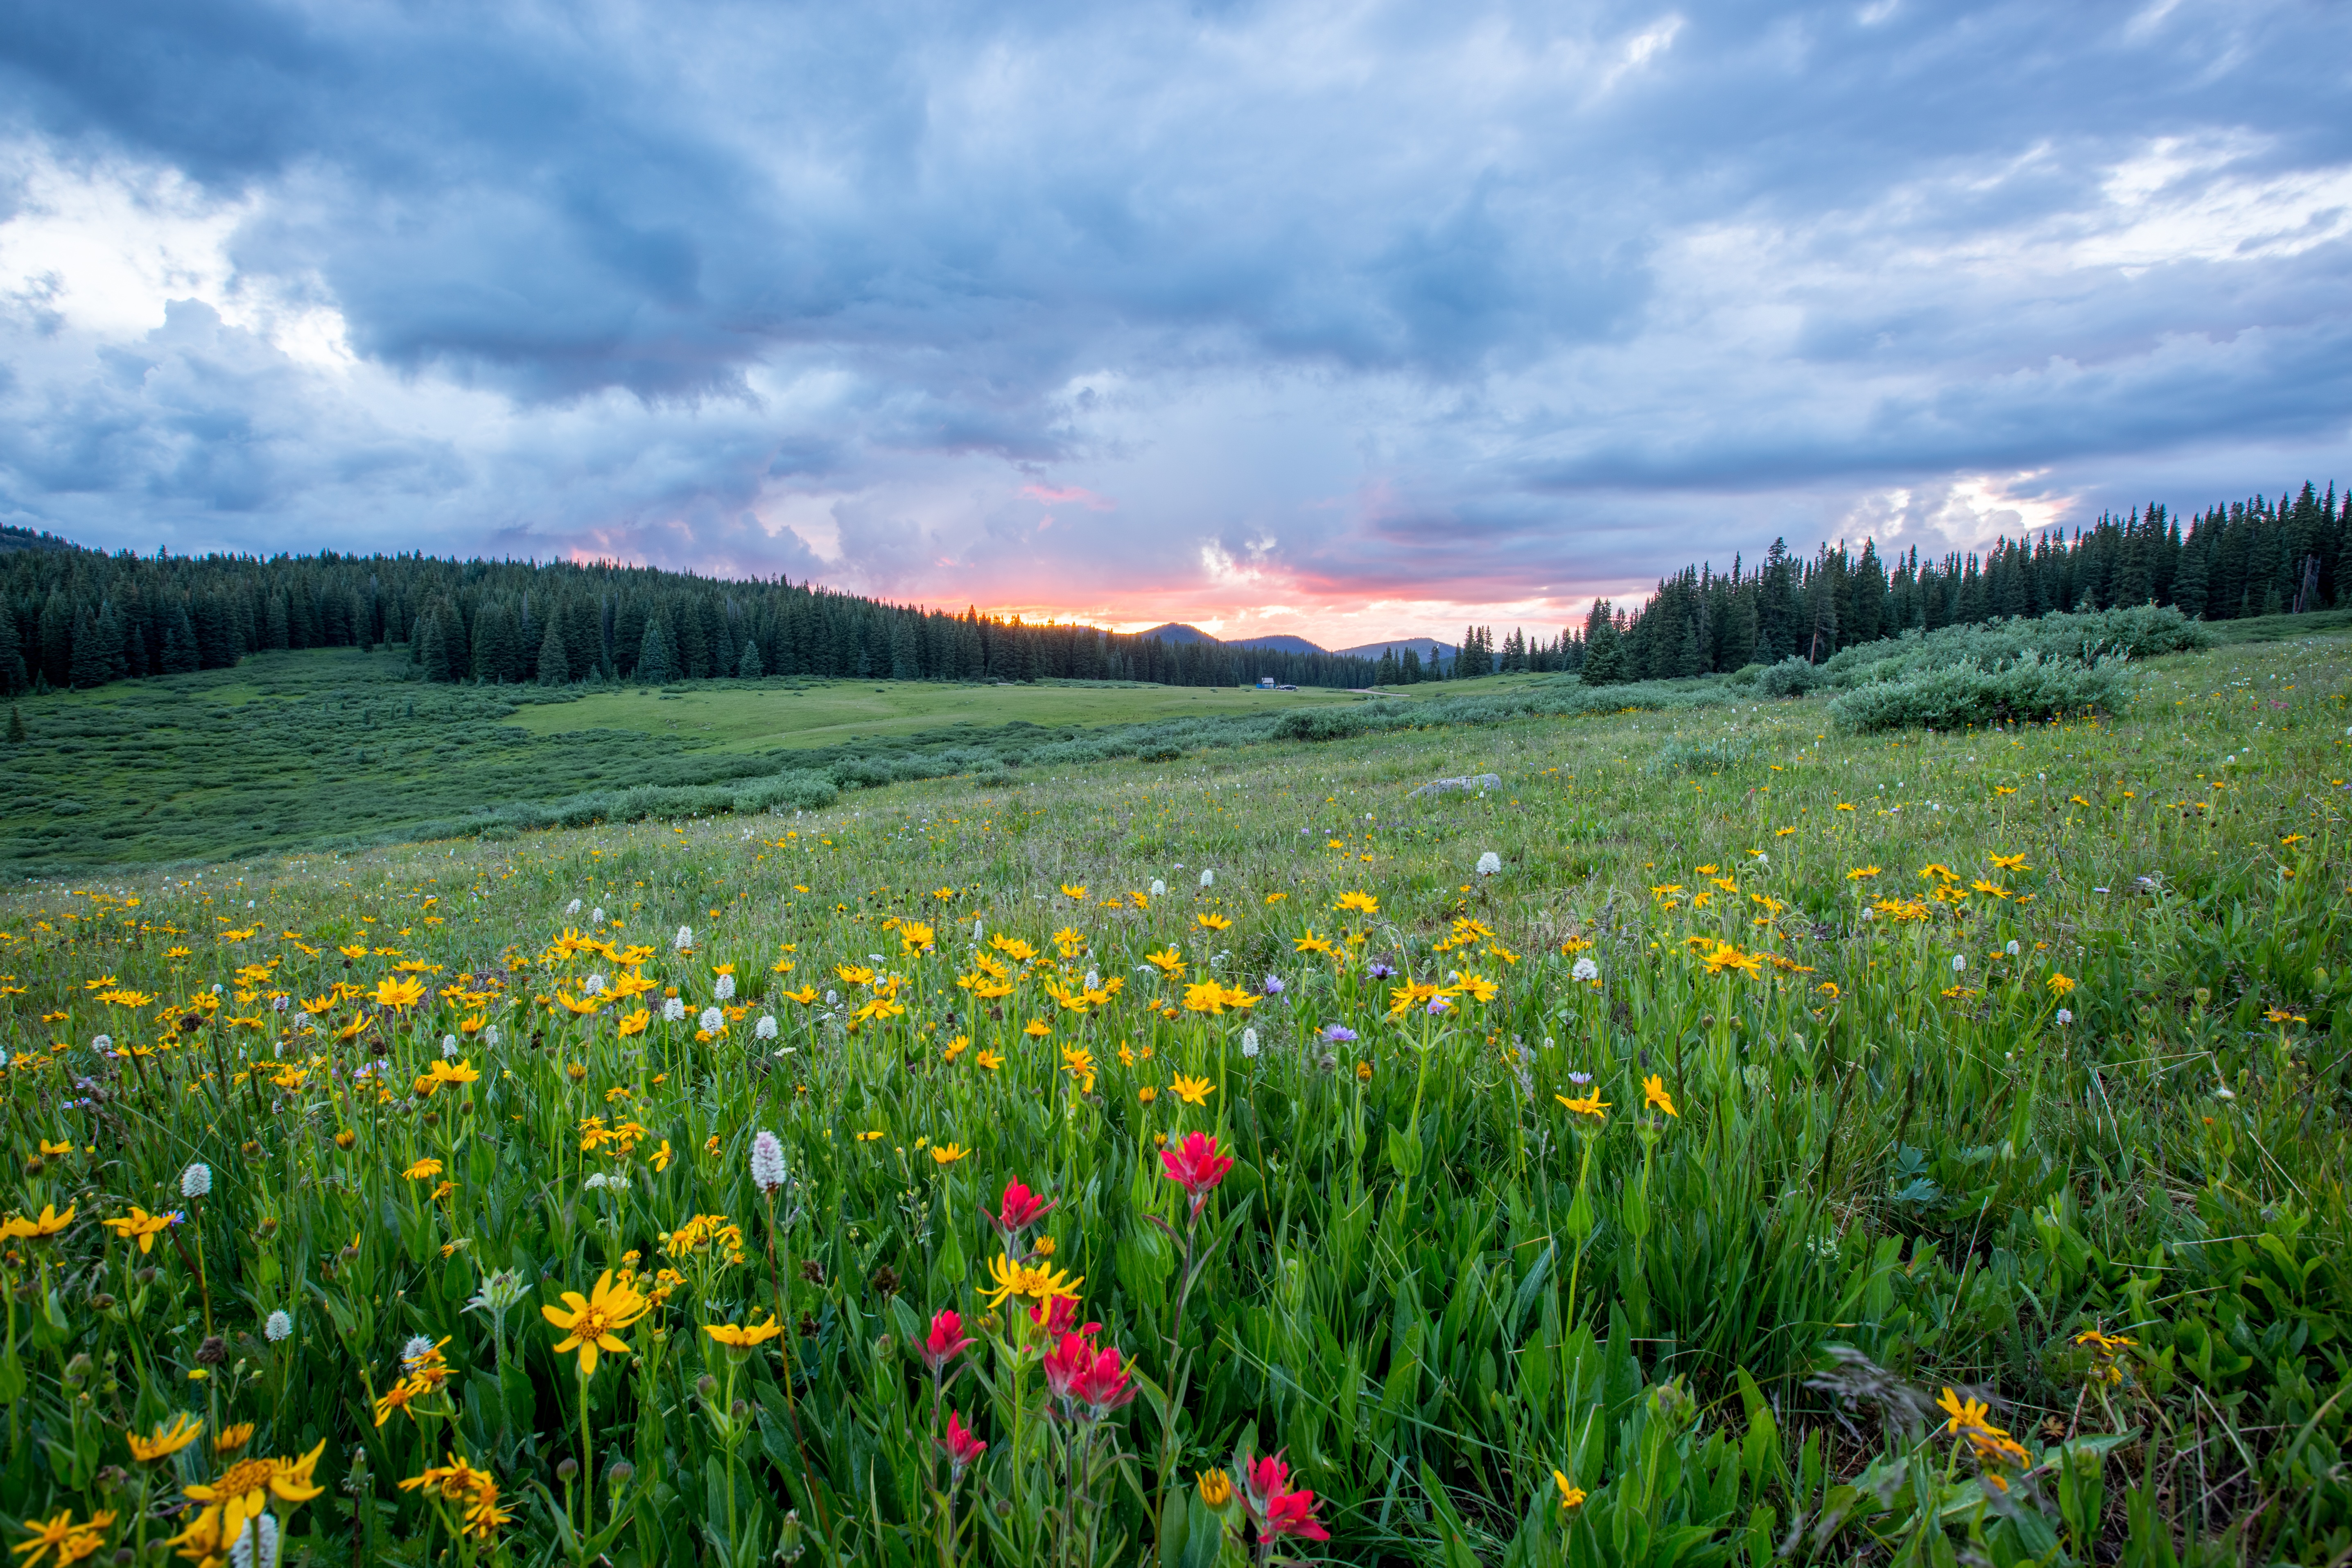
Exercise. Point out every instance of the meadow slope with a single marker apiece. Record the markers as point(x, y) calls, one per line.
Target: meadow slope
point(1726, 1141)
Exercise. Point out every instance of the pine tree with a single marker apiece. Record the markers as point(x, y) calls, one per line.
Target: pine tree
point(554, 664)
point(652, 655)
point(179, 656)
point(14, 677)
point(749, 667)
point(431, 655)
point(15, 723)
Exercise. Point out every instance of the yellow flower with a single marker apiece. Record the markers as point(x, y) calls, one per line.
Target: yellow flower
point(399, 994)
point(1653, 1092)
point(1478, 987)
point(1213, 921)
point(1192, 1090)
point(744, 1340)
point(1078, 892)
point(948, 1153)
point(2010, 862)
point(1037, 1028)
point(1967, 1415)
point(1168, 961)
point(1363, 902)
point(2060, 985)
point(635, 1023)
point(1217, 1488)
point(1310, 942)
point(169, 1439)
point(50, 1223)
point(1079, 1063)
point(70, 1541)
point(140, 1223)
point(1569, 1496)
point(423, 1171)
point(1039, 1282)
point(660, 1159)
point(244, 1491)
point(955, 1048)
point(232, 1438)
point(594, 1322)
point(1859, 872)
point(992, 1060)
point(1591, 1105)
point(51, 1151)
point(1146, 1095)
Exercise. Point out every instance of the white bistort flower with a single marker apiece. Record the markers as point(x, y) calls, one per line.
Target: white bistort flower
point(725, 988)
point(101, 1044)
point(1490, 864)
point(1959, 961)
point(1585, 969)
point(573, 908)
point(1159, 888)
point(593, 984)
point(767, 1161)
point(766, 1027)
point(1249, 1042)
point(1208, 878)
point(712, 1020)
point(196, 1180)
point(685, 938)
point(448, 1045)
point(672, 1010)
point(491, 1035)
point(2065, 1016)
point(596, 916)
point(257, 1543)
point(279, 1327)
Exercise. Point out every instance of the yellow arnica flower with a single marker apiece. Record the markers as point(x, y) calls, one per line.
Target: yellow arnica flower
point(51, 1223)
point(2061, 984)
point(139, 1223)
point(1591, 1105)
point(400, 994)
point(1569, 1496)
point(948, 1153)
point(1192, 1091)
point(169, 1439)
point(423, 1171)
point(743, 1340)
point(594, 1322)
point(61, 1535)
point(1217, 1488)
point(232, 1438)
point(1653, 1092)
point(1364, 902)
point(1967, 1415)
point(243, 1491)
point(1040, 1282)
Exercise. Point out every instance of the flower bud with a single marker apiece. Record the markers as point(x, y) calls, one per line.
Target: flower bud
point(568, 1470)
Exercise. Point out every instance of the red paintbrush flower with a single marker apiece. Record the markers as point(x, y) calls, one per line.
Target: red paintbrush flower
point(1021, 1209)
point(947, 1340)
point(962, 1446)
point(1059, 1316)
point(1278, 1510)
point(1196, 1166)
point(1078, 1372)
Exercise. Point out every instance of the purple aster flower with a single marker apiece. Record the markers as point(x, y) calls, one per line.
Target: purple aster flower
point(1580, 1077)
point(1381, 971)
point(1439, 1004)
point(1337, 1034)
point(1274, 986)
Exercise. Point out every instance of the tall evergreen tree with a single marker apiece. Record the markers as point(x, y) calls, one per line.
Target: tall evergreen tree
point(555, 663)
point(749, 667)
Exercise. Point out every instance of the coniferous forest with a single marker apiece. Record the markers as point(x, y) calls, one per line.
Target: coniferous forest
point(74, 617)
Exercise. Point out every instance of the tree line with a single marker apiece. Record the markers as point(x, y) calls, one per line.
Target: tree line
point(2254, 557)
point(73, 618)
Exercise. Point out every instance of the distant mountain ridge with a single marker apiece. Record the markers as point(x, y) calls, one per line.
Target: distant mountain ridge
point(1181, 632)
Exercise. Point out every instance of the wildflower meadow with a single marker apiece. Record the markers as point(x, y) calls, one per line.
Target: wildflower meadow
point(1722, 1139)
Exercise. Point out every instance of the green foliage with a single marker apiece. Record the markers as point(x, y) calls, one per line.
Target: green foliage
point(1968, 694)
point(2092, 1175)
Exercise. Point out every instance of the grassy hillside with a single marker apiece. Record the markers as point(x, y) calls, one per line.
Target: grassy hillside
point(335, 748)
point(1776, 1084)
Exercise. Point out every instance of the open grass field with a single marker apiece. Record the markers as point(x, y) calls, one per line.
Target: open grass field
point(334, 748)
point(761, 716)
point(1728, 1141)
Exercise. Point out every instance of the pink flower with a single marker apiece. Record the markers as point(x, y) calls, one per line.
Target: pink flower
point(1058, 1316)
point(1278, 1510)
point(947, 1340)
point(1021, 1209)
point(1196, 1166)
point(1076, 1372)
point(962, 1446)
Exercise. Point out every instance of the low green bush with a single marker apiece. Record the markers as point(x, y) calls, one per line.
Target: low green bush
point(1958, 696)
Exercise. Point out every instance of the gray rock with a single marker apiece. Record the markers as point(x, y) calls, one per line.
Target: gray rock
point(1444, 787)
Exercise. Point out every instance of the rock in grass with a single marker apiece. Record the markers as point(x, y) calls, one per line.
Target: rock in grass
point(1446, 786)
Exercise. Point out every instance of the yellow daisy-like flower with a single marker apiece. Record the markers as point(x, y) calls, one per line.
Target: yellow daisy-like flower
point(1591, 1105)
point(399, 993)
point(1967, 1415)
point(1038, 1283)
point(244, 1491)
point(423, 1171)
point(1569, 1496)
point(1653, 1092)
point(742, 1340)
point(594, 1322)
point(167, 1440)
point(1192, 1091)
point(1363, 902)
point(140, 1225)
point(948, 1153)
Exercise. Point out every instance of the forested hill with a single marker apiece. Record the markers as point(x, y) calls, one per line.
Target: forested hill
point(78, 618)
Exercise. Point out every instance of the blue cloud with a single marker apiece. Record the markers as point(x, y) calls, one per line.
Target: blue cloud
point(1576, 291)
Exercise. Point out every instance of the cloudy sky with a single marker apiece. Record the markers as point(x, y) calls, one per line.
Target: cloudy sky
point(1359, 320)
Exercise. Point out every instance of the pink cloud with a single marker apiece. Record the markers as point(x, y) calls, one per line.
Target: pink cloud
point(1052, 496)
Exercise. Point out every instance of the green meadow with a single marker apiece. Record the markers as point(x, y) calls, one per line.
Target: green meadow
point(1729, 1140)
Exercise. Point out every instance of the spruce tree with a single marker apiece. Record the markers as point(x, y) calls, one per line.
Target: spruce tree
point(15, 723)
point(749, 667)
point(14, 677)
point(179, 642)
point(555, 665)
point(431, 656)
point(652, 655)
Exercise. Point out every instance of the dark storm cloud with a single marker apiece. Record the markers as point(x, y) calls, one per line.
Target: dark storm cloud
point(1575, 289)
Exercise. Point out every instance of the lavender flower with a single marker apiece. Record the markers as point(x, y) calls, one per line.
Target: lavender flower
point(1337, 1034)
point(1274, 984)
